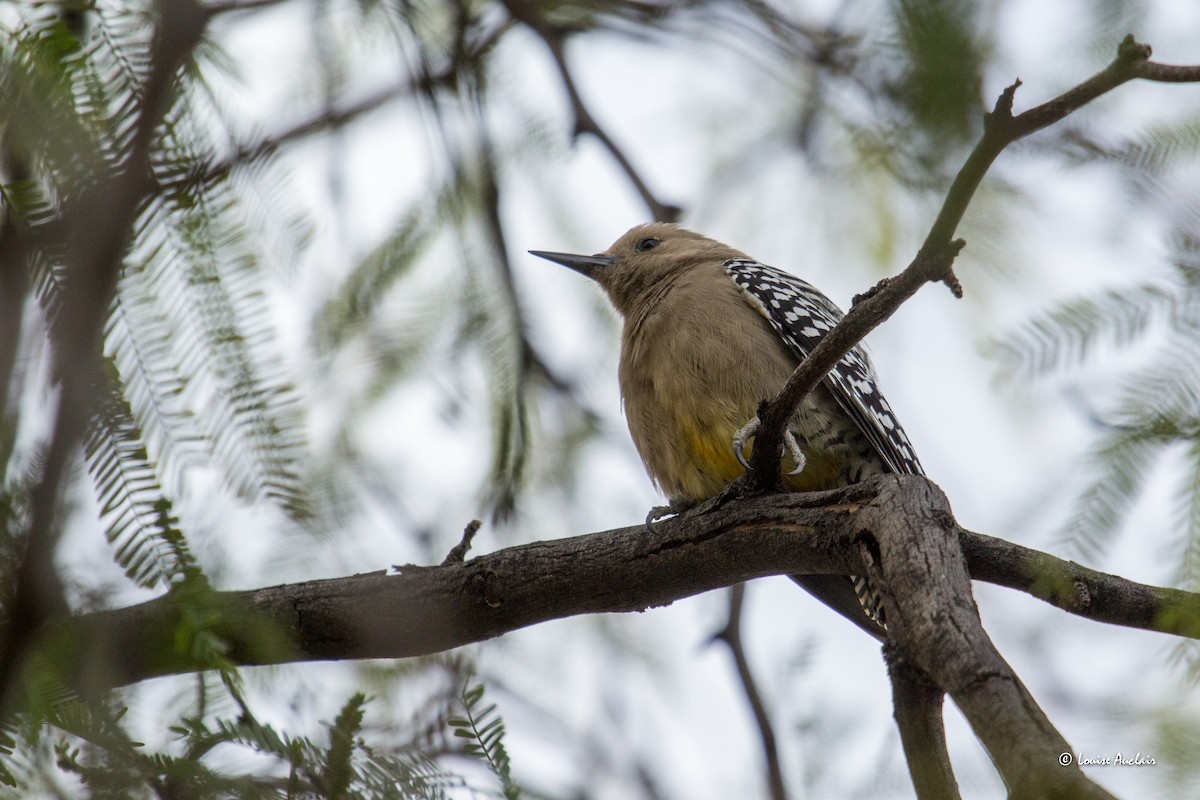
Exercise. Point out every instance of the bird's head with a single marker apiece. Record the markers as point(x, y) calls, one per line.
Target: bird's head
point(645, 259)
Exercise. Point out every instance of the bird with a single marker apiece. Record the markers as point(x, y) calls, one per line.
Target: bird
point(707, 334)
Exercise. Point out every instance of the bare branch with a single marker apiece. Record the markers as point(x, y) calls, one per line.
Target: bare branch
point(234, 6)
point(917, 704)
point(327, 120)
point(1081, 591)
point(585, 121)
point(897, 530)
point(1168, 73)
point(458, 553)
point(934, 260)
point(731, 635)
point(423, 610)
point(426, 610)
point(330, 118)
point(916, 561)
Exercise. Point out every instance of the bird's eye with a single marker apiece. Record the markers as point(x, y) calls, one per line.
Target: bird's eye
point(647, 244)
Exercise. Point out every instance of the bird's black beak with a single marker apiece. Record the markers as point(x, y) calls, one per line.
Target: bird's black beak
point(585, 265)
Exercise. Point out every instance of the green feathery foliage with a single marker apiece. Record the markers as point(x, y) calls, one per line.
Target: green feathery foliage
point(8, 744)
point(89, 742)
point(483, 730)
point(344, 768)
point(188, 339)
point(1156, 409)
point(941, 64)
point(1064, 336)
point(150, 547)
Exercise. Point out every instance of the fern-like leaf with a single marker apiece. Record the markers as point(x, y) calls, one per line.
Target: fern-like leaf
point(344, 768)
point(339, 769)
point(1158, 410)
point(1066, 334)
point(483, 731)
point(1155, 150)
point(138, 514)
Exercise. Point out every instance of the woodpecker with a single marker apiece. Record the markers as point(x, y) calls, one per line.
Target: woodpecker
point(708, 333)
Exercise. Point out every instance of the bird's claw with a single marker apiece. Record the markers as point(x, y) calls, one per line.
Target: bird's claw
point(793, 447)
point(745, 433)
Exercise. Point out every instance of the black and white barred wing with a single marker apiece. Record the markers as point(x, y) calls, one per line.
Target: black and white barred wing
point(801, 315)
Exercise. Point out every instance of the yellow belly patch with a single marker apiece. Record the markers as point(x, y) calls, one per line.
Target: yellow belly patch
point(712, 453)
point(715, 465)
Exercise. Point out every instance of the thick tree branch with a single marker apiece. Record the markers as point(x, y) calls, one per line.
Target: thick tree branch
point(934, 260)
point(915, 559)
point(897, 530)
point(422, 610)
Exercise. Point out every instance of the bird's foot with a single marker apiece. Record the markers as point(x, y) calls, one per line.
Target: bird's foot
point(793, 449)
point(742, 437)
point(745, 433)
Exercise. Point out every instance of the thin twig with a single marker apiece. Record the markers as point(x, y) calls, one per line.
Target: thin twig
point(585, 121)
point(330, 119)
point(233, 6)
point(458, 553)
point(731, 635)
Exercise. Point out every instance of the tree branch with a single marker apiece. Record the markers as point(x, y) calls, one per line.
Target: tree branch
point(237, 6)
point(331, 118)
point(422, 610)
point(917, 563)
point(917, 704)
point(731, 635)
point(1078, 590)
point(585, 121)
point(934, 260)
point(897, 530)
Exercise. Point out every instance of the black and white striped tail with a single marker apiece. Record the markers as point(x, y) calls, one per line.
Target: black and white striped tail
point(870, 600)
